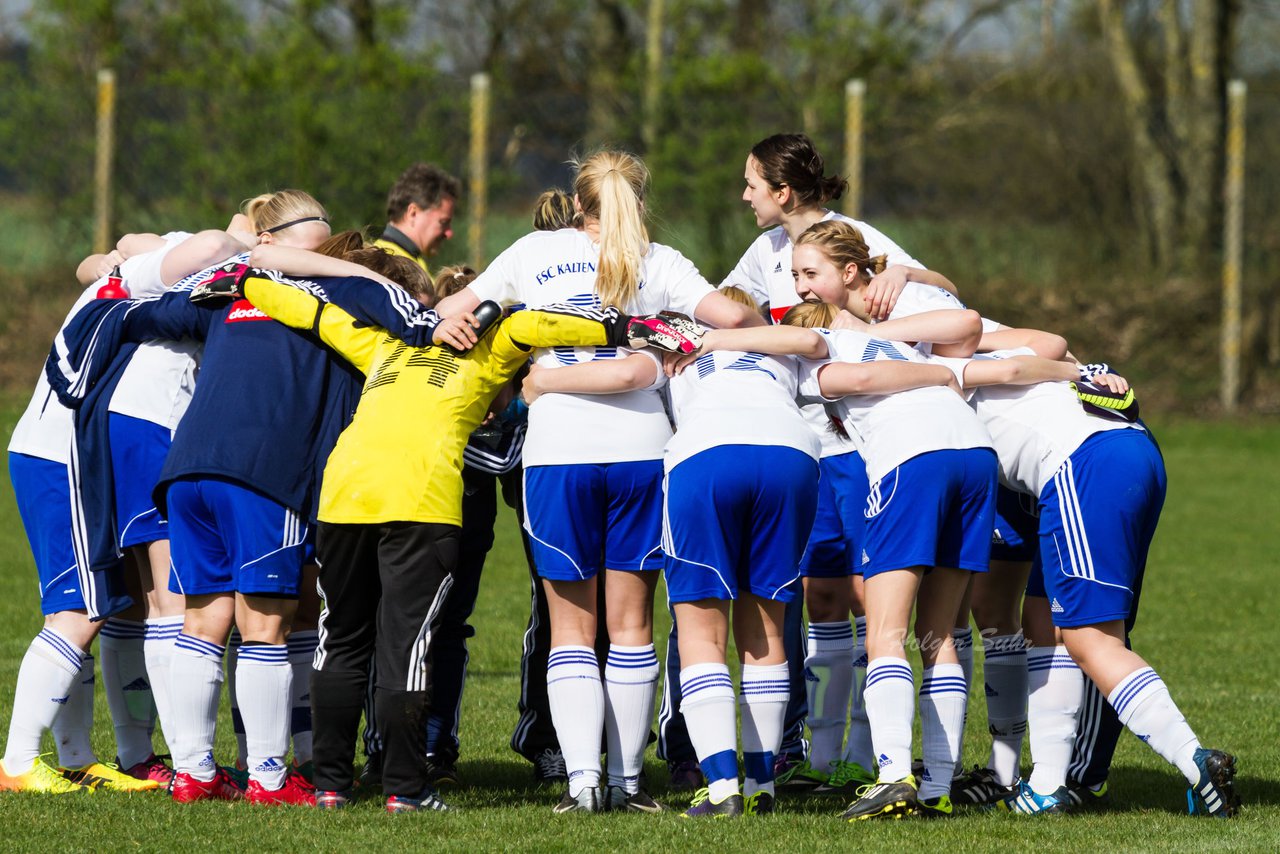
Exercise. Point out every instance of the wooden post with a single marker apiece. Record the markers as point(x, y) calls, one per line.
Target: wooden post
point(1232, 241)
point(854, 93)
point(103, 157)
point(479, 196)
point(653, 78)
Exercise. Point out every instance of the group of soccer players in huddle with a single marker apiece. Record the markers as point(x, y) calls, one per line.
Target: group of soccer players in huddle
point(263, 451)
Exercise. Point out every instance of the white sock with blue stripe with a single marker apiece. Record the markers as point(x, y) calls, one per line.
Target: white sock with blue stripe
point(962, 640)
point(828, 674)
point(1056, 690)
point(944, 694)
point(857, 746)
point(706, 701)
point(196, 682)
point(263, 677)
point(576, 698)
point(73, 724)
point(128, 688)
point(1143, 704)
point(630, 682)
point(302, 650)
point(891, 704)
point(763, 701)
point(157, 649)
point(1005, 674)
point(45, 679)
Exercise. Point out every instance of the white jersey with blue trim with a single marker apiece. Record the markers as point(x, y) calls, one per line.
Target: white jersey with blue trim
point(894, 428)
point(1034, 428)
point(916, 299)
point(764, 270)
point(559, 267)
point(161, 377)
point(733, 398)
point(46, 426)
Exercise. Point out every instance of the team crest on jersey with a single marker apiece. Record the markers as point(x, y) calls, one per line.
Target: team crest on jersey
point(242, 310)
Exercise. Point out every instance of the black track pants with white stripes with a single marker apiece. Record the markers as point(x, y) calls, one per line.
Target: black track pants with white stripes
point(384, 586)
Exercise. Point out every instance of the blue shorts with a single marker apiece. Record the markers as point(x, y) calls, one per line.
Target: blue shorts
point(1016, 533)
point(835, 545)
point(224, 537)
point(138, 451)
point(738, 517)
point(1097, 518)
point(585, 518)
point(43, 496)
point(936, 509)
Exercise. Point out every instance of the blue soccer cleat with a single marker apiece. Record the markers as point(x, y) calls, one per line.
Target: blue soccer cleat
point(1215, 792)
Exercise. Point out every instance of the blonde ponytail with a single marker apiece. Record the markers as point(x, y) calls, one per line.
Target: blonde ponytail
point(843, 244)
point(610, 188)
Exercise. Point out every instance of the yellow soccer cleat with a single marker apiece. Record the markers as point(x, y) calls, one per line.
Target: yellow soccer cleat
point(104, 775)
point(41, 777)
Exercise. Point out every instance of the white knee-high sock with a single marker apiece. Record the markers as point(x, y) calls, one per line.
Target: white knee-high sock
point(890, 699)
point(263, 676)
point(1056, 689)
point(302, 649)
point(630, 682)
point(576, 698)
point(857, 746)
point(1143, 704)
point(763, 702)
point(196, 680)
point(233, 697)
point(829, 672)
point(706, 701)
point(943, 697)
point(962, 639)
point(128, 688)
point(1005, 674)
point(72, 727)
point(45, 679)
point(157, 648)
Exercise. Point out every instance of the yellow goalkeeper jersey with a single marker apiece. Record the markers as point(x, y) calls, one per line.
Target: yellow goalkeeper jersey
point(400, 459)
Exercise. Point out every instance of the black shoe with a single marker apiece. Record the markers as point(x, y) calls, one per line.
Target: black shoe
point(885, 800)
point(371, 774)
point(1087, 798)
point(588, 800)
point(686, 776)
point(761, 803)
point(979, 787)
point(441, 773)
point(548, 767)
point(704, 807)
point(618, 799)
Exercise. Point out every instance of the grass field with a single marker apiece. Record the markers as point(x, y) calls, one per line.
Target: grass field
point(1208, 626)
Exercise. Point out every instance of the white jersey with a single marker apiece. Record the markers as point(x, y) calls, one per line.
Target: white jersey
point(1034, 428)
point(556, 267)
point(46, 427)
point(896, 427)
point(159, 380)
point(764, 270)
point(733, 398)
point(916, 299)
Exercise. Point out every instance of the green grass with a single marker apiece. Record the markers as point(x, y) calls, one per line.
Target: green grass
point(1207, 626)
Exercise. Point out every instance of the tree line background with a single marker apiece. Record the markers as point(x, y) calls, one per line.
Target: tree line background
point(1060, 160)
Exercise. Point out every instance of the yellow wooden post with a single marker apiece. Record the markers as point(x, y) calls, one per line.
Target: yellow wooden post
point(1232, 240)
point(854, 94)
point(653, 76)
point(103, 156)
point(478, 201)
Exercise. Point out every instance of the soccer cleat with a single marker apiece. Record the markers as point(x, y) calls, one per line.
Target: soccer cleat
point(618, 799)
point(187, 789)
point(979, 787)
point(845, 778)
point(1215, 792)
point(1087, 797)
point(588, 800)
point(326, 800)
point(760, 803)
point(686, 775)
point(371, 773)
point(885, 800)
point(151, 768)
point(939, 807)
point(306, 770)
point(1026, 801)
point(703, 807)
point(793, 772)
point(428, 801)
point(238, 776)
point(101, 775)
point(548, 767)
point(40, 777)
point(295, 791)
point(441, 773)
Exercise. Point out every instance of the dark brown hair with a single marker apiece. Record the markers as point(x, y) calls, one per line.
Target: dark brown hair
point(789, 159)
point(423, 185)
